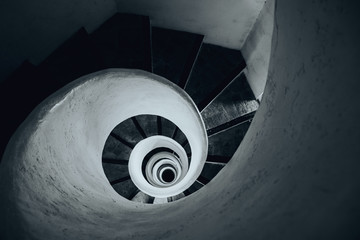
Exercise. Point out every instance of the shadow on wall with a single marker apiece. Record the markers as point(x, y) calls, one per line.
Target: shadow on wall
point(257, 49)
point(33, 29)
point(225, 23)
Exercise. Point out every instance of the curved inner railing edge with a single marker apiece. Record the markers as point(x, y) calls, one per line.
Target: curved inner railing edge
point(17, 151)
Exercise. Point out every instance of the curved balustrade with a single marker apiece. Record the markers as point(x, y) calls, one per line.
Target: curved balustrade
point(66, 134)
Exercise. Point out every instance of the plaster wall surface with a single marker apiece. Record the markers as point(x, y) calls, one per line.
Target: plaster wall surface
point(226, 23)
point(295, 175)
point(51, 174)
point(257, 49)
point(33, 29)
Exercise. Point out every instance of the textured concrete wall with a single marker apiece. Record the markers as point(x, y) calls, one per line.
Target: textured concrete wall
point(226, 23)
point(33, 29)
point(52, 174)
point(257, 49)
point(295, 176)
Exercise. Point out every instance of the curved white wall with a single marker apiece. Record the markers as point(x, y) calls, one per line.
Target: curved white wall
point(52, 167)
point(295, 176)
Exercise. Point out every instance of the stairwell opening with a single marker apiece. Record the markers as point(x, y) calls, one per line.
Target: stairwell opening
point(168, 175)
point(96, 103)
point(295, 134)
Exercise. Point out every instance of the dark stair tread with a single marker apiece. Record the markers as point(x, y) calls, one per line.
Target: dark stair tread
point(114, 172)
point(121, 140)
point(126, 189)
point(174, 53)
point(237, 99)
point(159, 126)
point(210, 171)
point(19, 74)
point(19, 85)
point(139, 127)
point(203, 180)
point(24, 84)
point(187, 149)
point(19, 95)
point(75, 58)
point(180, 137)
point(234, 122)
point(120, 180)
point(149, 124)
point(217, 160)
point(220, 144)
point(115, 161)
point(214, 69)
point(114, 149)
point(128, 131)
point(193, 188)
point(124, 41)
point(125, 142)
point(177, 197)
point(168, 127)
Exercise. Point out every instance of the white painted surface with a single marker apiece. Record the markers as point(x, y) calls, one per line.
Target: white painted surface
point(54, 158)
point(33, 29)
point(185, 176)
point(295, 176)
point(257, 49)
point(226, 23)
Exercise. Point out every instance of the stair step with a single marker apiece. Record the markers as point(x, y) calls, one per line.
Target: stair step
point(174, 53)
point(180, 137)
point(159, 126)
point(203, 180)
point(239, 120)
point(177, 197)
point(168, 127)
point(142, 197)
point(120, 180)
point(127, 188)
point(121, 141)
point(114, 172)
point(217, 160)
point(149, 124)
point(74, 58)
point(114, 149)
point(19, 95)
point(193, 188)
point(115, 161)
point(210, 74)
point(139, 127)
point(226, 142)
point(214, 69)
point(124, 41)
point(236, 100)
point(210, 171)
point(128, 131)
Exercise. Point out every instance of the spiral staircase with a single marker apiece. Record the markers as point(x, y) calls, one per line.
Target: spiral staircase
point(211, 75)
point(294, 175)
